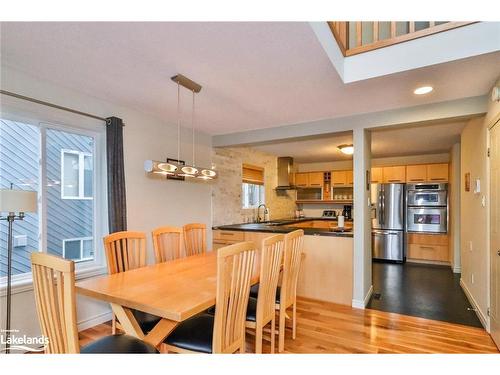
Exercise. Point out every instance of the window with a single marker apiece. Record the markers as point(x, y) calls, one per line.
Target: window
point(76, 175)
point(49, 159)
point(78, 249)
point(253, 191)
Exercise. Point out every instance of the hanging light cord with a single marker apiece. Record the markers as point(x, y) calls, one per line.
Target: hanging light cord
point(192, 126)
point(178, 123)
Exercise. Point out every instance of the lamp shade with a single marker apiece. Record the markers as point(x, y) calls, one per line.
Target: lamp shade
point(18, 200)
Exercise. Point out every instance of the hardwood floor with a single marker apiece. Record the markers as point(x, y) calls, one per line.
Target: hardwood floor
point(329, 328)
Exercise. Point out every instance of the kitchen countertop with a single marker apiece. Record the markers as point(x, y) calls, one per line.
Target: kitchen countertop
point(278, 226)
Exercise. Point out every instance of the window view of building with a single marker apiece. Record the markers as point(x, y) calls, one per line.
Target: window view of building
point(67, 164)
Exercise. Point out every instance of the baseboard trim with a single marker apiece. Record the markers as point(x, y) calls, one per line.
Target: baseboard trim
point(457, 269)
point(94, 320)
point(361, 304)
point(482, 317)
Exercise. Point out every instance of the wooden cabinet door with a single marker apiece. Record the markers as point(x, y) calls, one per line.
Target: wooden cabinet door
point(302, 179)
point(416, 173)
point(316, 179)
point(349, 178)
point(339, 178)
point(437, 172)
point(395, 174)
point(376, 175)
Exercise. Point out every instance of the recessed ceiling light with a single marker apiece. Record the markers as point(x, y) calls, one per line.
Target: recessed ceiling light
point(423, 90)
point(347, 149)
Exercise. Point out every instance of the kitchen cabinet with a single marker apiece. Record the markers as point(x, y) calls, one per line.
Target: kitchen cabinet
point(316, 179)
point(432, 247)
point(377, 175)
point(342, 178)
point(416, 173)
point(301, 179)
point(437, 172)
point(396, 174)
point(350, 178)
point(223, 238)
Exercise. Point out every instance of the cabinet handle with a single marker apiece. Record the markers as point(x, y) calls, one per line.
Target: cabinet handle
point(416, 179)
point(437, 179)
point(427, 247)
point(394, 180)
point(315, 184)
point(226, 234)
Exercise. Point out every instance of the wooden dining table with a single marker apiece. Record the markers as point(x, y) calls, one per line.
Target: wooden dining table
point(174, 290)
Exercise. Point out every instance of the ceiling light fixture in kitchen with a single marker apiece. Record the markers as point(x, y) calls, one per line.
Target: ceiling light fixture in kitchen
point(175, 168)
point(346, 149)
point(423, 90)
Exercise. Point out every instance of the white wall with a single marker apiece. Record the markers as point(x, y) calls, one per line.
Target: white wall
point(151, 202)
point(454, 208)
point(474, 216)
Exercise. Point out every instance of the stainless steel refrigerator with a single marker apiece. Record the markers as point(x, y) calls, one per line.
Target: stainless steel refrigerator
point(388, 226)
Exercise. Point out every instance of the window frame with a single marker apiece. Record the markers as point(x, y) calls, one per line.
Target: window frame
point(81, 174)
point(97, 266)
point(81, 239)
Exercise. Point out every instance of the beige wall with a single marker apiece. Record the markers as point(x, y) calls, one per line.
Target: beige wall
point(474, 216)
point(226, 194)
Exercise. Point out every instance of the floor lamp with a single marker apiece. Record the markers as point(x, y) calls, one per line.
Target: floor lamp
point(15, 203)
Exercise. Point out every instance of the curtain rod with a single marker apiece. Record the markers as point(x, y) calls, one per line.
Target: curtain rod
point(33, 100)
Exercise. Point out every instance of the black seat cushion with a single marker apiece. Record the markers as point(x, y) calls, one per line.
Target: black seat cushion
point(146, 321)
point(252, 310)
point(194, 334)
point(254, 292)
point(119, 344)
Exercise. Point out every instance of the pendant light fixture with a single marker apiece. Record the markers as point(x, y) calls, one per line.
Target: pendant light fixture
point(176, 169)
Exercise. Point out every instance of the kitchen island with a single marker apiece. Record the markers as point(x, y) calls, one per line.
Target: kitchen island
point(326, 271)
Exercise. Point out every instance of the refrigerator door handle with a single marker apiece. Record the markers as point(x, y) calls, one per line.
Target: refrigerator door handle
point(382, 207)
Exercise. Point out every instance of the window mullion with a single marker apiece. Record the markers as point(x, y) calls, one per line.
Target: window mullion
point(81, 168)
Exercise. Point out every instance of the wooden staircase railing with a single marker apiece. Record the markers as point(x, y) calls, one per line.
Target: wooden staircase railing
point(358, 37)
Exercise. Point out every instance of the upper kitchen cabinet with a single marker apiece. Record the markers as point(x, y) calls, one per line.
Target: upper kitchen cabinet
point(427, 173)
point(394, 174)
point(437, 172)
point(416, 173)
point(316, 179)
point(309, 179)
point(301, 179)
point(342, 178)
point(377, 175)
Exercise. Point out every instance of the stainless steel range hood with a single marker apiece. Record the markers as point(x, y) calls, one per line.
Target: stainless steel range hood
point(285, 174)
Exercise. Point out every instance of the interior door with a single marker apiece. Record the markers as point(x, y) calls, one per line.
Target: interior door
point(495, 233)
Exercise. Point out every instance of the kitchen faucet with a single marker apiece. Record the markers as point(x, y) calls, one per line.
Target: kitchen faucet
point(258, 212)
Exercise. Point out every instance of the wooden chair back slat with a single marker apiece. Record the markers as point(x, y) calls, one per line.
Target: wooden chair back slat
point(194, 238)
point(54, 289)
point(271, 259)
point(234, 272)
point(125, 251)
point(294, 242)
point(167, 243)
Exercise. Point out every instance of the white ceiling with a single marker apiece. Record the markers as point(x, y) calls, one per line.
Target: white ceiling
point(395, 141)
point(254, 75)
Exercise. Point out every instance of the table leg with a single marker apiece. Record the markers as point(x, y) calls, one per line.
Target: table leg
point(129, 324)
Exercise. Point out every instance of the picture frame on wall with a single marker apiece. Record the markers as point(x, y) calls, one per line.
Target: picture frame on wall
point(180, 162)
point(467, 181)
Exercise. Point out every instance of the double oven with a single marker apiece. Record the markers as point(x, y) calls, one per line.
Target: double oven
point(427, 208)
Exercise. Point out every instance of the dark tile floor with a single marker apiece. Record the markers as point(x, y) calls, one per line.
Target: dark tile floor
point(426, 291)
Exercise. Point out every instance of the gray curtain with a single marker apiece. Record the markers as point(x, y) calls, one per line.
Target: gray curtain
point(117, 202)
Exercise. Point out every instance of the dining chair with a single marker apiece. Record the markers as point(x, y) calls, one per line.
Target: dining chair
point(261, 310)
point(54, 289)
point(167, 243)
point(194, 238)
point(294, 244)
point(223, 332)
point(125, 251)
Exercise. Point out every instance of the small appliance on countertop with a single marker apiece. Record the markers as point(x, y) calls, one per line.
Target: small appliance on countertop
point(329, 214)
point(347, 212)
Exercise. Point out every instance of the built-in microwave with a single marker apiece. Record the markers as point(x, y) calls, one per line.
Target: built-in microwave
point(427, 219)
point(310, 194)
